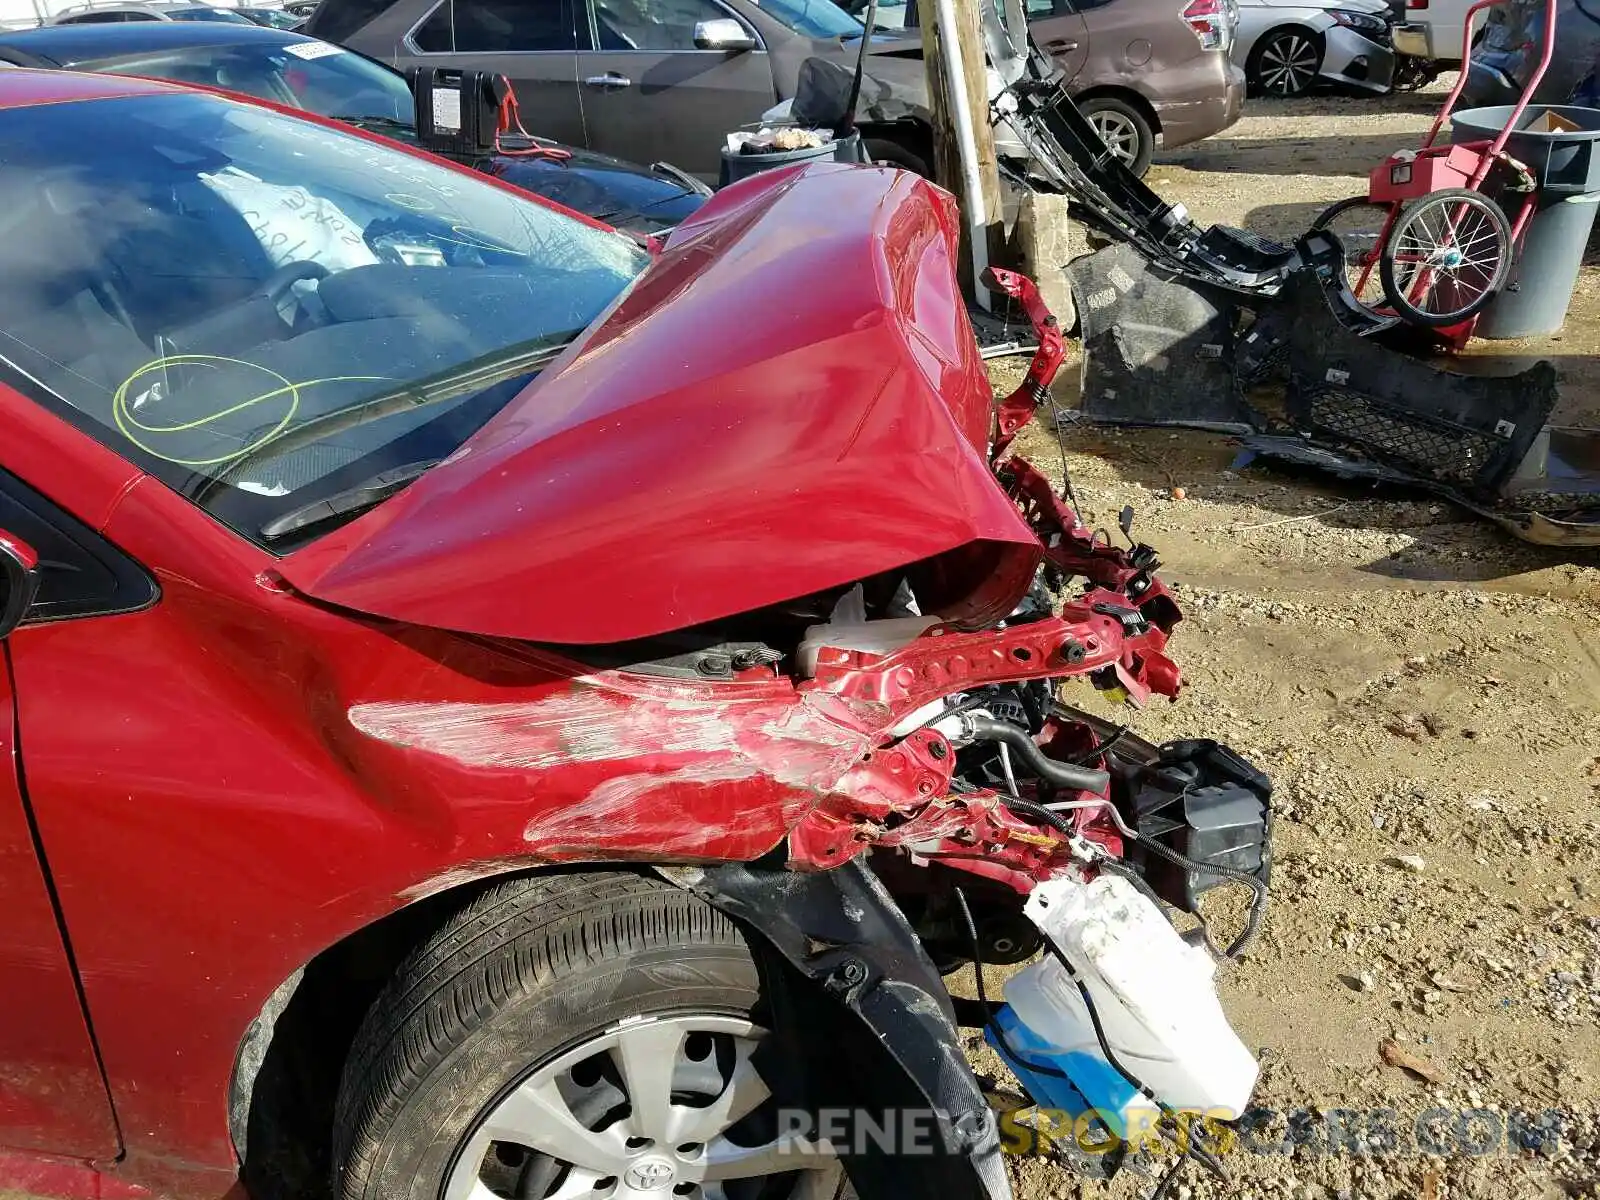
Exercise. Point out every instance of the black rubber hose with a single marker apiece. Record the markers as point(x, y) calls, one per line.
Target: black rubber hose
point(1112, 867)
point(1066, 775)
point(1258, 901)
point(1027, 808)
point(1100, 748)
point(995, 1031)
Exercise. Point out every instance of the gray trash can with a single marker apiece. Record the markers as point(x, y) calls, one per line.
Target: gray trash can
point(736, 166)
point(1539, 288)
point(1567, 166)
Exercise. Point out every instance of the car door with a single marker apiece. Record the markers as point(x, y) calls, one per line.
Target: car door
point(1061, 32)
point(53, 1096)
point(532, 45)
point(650, 94)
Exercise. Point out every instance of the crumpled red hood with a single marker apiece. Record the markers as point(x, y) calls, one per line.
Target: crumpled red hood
point(789, 399)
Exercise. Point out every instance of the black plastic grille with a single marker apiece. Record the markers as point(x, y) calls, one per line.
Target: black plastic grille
point(1255, 241)
point(1444, 450)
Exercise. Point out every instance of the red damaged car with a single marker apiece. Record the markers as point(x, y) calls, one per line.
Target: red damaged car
point(494, 710)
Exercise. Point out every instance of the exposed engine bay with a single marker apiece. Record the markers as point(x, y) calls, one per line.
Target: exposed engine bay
point(855, 737)
point(995, 822)
point(1170, 813)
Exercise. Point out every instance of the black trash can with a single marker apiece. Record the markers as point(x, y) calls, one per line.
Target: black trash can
point(1566, 164)
point(736, 166)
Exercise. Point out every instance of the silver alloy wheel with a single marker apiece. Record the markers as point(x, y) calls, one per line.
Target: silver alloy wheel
point(1288, 64)
point(648, 1109)
point(1120, 135)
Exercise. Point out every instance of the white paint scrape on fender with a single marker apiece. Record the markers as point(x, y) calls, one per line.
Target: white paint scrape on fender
point(1154, 993)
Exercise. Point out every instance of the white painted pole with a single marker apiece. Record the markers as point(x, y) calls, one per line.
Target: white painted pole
point(967, 146)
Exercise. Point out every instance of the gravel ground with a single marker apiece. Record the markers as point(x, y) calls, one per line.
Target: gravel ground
point(1425, 691)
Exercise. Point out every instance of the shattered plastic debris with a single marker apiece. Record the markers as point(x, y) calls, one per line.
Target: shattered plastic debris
point(1183, 326)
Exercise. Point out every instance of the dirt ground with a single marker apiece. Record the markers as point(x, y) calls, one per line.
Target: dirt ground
point(1425, 691)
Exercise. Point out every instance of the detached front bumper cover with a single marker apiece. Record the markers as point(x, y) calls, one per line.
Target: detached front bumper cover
point(1218, 329)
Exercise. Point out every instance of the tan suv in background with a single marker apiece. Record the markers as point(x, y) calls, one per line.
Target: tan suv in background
point(1144, 70)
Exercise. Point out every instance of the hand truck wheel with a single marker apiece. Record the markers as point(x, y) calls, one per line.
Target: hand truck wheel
point(1446, 257)
point(1358, 223)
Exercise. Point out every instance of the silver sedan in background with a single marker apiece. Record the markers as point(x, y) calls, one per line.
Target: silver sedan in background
point(1287, 48)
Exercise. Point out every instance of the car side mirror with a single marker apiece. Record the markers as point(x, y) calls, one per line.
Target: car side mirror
point(19, 581)
point(723, 33)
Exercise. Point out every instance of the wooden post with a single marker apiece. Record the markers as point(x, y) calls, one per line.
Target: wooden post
point(950, 168)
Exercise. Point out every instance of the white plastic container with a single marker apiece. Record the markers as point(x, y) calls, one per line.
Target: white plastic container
point(1154, 993)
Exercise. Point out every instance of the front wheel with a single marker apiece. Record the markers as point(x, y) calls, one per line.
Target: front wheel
point(1285, 63)
point(588, 1036)
point(1446, 257)
point(1124, 130)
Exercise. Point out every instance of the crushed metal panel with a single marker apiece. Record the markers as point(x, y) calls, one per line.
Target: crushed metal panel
point(1157, 349)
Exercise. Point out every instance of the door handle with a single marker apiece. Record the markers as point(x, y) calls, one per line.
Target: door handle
point(1060, 45)
point(609, 81)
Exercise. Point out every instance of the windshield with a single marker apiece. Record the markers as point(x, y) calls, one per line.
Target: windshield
point(316, 76)
point(265, 313)
point(814, 18)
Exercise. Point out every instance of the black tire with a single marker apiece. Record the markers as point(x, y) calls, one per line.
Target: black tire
point(1455, 292)
point(1134, 127)
point(1414, 74)
point(528, 971)
point(1285, 62)
point(1366, 213)
point(885, 153)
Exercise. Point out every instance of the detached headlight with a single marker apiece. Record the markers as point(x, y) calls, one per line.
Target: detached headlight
point(1359, 21)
